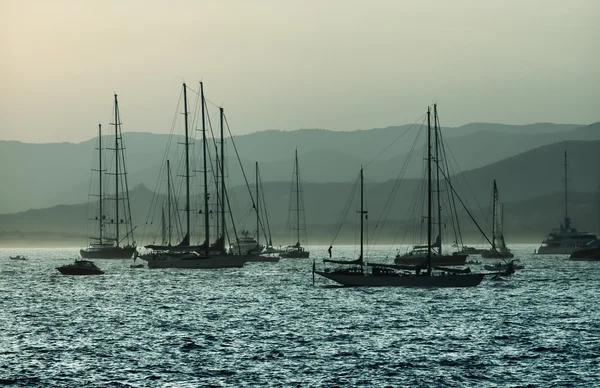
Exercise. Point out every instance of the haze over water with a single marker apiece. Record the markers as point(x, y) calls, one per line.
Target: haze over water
point(266, 325)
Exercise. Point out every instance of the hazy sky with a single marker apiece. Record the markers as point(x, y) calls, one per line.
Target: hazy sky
point(287, 64)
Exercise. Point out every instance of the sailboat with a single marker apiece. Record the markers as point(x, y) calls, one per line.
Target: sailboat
point(105, 246)
point(166, 226)
point(419, 252)
point(259, 254)
point(566, 239)
point(246, 244)
point(205, 256)
point(391, 275)
point(269, 250)
point(296, 251)
point(499, 249)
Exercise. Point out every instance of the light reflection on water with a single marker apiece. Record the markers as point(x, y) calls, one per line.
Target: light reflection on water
point(266, 325)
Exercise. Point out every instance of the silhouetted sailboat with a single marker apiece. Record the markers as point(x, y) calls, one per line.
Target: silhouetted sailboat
point(259, 254)
point(264, 224)
point(246, 244)
point(205, 256)
point(296, 251)
point(391, 275)
point(499, 249)
point(104, 245)
point(420, 252)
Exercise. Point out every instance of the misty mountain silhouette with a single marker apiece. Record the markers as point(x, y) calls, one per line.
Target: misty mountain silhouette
point(43, 175)
point(531, 184)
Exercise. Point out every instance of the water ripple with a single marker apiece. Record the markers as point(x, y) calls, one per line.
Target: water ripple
point(266, 325)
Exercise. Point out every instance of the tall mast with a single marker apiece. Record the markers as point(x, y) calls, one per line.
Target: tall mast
point(222, 177)
point(257, 214)
point(268, 238)
point(163, 230)
point(298, 198)
point(217, 188)
point(494, 202)
point(567, 221)
point(204, 173)
point(437, 177)
point(100, 180)
point(362, 216)
point(501, 220)
point(169, 197)
point(187, 166)
point(116, 171)
point(429, 196)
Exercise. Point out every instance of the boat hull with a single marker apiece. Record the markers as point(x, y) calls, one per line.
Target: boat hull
point(79, 271)
point(417, 281)
point(590, 258)
point(591, 252)
point(586, 254)
point(502, 267)
point(295, 255)
point(471, 251)
point(442, 261)
point(197, 262)
point(80, 267)
point(491, 254)
point(263, 259)
point(110, 253)
point(555, 250)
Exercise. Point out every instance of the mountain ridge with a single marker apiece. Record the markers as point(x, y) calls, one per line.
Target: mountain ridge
point(37, 175)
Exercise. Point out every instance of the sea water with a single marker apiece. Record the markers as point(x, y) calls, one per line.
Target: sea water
point(266, 324)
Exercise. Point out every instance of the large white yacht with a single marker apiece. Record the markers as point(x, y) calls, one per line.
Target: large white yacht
point(566, 239)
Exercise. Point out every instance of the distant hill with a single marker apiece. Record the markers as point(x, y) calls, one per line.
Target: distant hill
point(529, 129)
point(525, 221)
point(540, 171)
point(530, 184)
point(42, 175)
